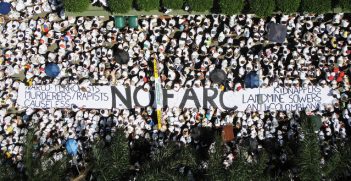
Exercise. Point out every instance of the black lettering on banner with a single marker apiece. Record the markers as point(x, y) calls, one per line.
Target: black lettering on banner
point(209, 99)
point(135, 97)
point(252, 107)
point(152, 98)
point(287, 107)
point(27, 94)
point(317, 89)
point(127, 101)
point(166, 96)
point(222, 103)
point(189, 97)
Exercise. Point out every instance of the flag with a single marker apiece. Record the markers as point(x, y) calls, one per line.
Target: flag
point(158, 95)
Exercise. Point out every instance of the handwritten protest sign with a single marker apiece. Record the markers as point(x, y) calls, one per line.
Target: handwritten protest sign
point(48, 96)
point(107, 97)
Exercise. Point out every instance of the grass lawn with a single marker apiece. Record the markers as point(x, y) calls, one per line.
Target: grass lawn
point(99, 11)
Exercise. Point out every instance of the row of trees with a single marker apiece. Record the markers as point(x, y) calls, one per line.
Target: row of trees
point(258, 7)
point(113, 161)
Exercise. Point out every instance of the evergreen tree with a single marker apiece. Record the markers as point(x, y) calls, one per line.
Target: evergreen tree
point(111, 161)
point(339, 165)
point(29, 161)
point(309, 155)
point(7, 171)
point(167, 162)
point(241, 170)
point(49, 168)
point(44, 167)
point(215, 168)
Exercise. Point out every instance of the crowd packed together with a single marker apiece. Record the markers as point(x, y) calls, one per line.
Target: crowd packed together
point(315, 52)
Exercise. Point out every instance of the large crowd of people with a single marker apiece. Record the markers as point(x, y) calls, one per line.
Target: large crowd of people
point(316, 52)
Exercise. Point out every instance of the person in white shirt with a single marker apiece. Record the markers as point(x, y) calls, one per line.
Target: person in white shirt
point(102, 2)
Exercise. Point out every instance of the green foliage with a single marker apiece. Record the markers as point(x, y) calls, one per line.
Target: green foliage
point(288, 6)
point(49, 168)
point(260, 166)
point(40, 168)
point(339, 165)
point(76, 5)
point(186, 158)
point(309, 158)
point(231, 7)
point(309, 155)
point(262, 8)
point(215, 167)
point(147, 5)
point(173, 4)
point(7, 171)
point(165, 163)
point(345, 5)
point(200, 6)
point(29, 161)
point(111, 162)
point(241, 170)
point(316, 6)
point(120, 6)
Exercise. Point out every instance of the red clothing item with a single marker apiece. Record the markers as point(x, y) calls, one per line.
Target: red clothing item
point(336, 69)
point(238, 88)
point(341, 74)
point(339, 79)
point(330, 77)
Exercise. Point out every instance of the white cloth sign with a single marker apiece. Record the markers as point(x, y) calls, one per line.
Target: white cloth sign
point(107, 97)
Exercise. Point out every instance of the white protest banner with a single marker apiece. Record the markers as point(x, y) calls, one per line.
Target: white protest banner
point(107, 97)
point(57, 96)
point(278, 98)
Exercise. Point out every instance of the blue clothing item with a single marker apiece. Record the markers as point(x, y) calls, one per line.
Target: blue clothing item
point(208, 116)
point(25, 118)
point(151, 123)
point(72, 147)
point(252, 80)
point(181, 27)
point(52, 70)
point(276, 32)
point(5, 8)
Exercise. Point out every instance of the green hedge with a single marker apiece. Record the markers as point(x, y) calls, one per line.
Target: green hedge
point(147, 5)
point(76, 5)
point(120, 6)
point(200, 5)
point(316, 6)
point(173, 4)
point(288, 6)
point(262, 8)
point(231, 7)
point(345, 5)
